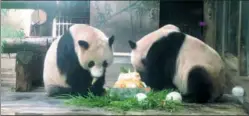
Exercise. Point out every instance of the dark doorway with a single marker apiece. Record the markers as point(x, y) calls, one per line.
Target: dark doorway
point(185, 14)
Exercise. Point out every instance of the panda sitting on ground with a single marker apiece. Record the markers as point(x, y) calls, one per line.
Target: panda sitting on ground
point(73, 61)
point(178, 60)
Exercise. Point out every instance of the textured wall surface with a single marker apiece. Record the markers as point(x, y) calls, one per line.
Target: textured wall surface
point(125, 19)
point(18, 19)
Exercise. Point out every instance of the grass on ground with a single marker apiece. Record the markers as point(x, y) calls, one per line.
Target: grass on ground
point(116, 102)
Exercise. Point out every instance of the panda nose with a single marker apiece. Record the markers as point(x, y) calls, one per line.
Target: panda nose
point(100, 68)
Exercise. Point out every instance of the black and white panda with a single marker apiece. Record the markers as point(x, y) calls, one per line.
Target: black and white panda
point(140, 48)
point(181, 61)
point(74, 60)
point(177, 60)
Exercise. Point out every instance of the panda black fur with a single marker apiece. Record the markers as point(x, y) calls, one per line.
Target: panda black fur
point(140, 48)
point(74, 59)
point(184, 62)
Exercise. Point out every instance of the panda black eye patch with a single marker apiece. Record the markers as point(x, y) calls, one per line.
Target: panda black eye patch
point(91, 64)
point(83, 44)
point(105, 64)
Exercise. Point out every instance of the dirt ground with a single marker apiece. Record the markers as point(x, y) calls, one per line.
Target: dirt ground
point(37, 103)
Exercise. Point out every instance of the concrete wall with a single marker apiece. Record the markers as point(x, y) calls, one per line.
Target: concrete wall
point(18, 19)
point(125, 19)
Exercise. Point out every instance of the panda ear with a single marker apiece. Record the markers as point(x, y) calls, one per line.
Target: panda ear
point(111, 40)
point(132, 44)
point(83, 44)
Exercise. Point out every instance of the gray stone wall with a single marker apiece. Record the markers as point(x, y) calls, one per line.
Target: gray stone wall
point(125, 19)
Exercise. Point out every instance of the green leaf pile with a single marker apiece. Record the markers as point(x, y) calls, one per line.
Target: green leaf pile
point(123, 70)
point(124, 100)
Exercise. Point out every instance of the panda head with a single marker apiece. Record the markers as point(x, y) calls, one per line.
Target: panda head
point(140, 48)
point(170, 27)
point(136, 56)
point(93, 48)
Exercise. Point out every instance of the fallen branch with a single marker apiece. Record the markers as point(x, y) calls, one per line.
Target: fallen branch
point(12, 45)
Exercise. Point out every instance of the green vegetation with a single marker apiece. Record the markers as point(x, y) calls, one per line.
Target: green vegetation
point(123, 70)
point(126, 70)
point(9, 32)
point(114, 100)
point(123, 99)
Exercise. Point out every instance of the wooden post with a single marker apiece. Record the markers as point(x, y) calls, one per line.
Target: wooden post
point(29, 60)
point(240, 66)
point(209, 18)
point(29, 67)
point(224, 28)
point(245, 5)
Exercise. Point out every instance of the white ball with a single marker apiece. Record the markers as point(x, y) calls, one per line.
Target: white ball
point(238, 91)
point(174, 96)
point(141, 96)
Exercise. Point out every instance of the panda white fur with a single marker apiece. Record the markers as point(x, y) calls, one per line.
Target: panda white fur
point(79, 56)
point(237, 96)
point(140, 48)
point(184, 62)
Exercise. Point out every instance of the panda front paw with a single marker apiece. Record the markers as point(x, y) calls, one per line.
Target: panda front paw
point(54, 91)
point(98, 87)
point(97, 90)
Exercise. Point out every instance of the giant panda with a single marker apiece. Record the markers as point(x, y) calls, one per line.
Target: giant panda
point(140, 48)
point(181, 61)
point(75, 59)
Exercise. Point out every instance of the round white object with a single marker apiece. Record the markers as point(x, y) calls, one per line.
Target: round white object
point(238, 91)
point(141, 96)
point(174, 96)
